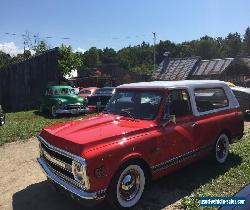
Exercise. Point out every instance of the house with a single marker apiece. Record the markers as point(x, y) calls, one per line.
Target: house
point(106, 75)
point(175, 68)
point(236, 70)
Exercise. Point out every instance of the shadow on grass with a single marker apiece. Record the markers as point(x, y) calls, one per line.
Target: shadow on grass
point(158, 195)
point(181, 183)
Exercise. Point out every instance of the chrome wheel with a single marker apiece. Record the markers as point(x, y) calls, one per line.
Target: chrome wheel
point(2, 120)
point(222, 148)
point(130, 186)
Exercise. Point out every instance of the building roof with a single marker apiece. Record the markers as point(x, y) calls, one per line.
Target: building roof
point(171, 84)
point(212, 67)
point(175, 68)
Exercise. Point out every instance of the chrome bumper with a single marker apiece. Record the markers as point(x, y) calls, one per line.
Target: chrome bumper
point(72, 111)
point(75, 192)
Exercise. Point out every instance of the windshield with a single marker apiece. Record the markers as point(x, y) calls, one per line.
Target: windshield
point(85, 92)
point(135, 103)
point(104, 91)
point(59, 91)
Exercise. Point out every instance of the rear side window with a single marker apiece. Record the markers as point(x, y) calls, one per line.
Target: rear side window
point(210, 99)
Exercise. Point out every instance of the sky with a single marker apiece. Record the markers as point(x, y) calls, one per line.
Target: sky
point(118, 23)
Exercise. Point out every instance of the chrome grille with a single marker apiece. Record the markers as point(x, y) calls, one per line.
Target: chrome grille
point(74, 106)
point(60, 163)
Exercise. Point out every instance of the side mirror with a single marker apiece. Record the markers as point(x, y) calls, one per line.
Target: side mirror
point(169, 118)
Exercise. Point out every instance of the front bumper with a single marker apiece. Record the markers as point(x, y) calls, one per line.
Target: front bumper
point(72, 111)
point(76, 193)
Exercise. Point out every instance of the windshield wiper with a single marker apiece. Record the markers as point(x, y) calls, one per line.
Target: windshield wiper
point(128, 113)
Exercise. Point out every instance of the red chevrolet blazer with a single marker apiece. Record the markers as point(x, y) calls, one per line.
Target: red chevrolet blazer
point(146, 131)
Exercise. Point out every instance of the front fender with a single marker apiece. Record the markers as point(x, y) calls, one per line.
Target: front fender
point(131, 156)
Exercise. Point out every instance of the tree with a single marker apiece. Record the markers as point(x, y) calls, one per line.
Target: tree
point(137, 59)
point(108, 55)
point(5, 59)
point(231, 47)
point(166, 46)
point(187, 49)
point(206, 47)
point(246, 42)
point(91, 58)
point(41, 47)
point(68, 60)
point(21, 56)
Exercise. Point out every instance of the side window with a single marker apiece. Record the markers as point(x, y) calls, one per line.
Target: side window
point(210, 99)
point(178, 103)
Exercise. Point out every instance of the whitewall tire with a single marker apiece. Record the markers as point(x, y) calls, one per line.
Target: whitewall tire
point(222, 149)
point(127, 188)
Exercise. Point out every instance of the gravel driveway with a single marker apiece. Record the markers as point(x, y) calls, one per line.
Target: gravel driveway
point(23, 186)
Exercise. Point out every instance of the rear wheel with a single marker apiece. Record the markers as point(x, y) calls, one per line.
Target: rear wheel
point(2, 121)
point(127, 187)
point(221, 149)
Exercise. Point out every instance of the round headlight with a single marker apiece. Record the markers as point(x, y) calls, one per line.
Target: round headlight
point(59, 102)
point(78, 171)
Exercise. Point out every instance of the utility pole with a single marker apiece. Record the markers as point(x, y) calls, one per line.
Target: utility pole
point(154, 37)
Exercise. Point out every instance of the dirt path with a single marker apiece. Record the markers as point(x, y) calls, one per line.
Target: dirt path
point(23, 186)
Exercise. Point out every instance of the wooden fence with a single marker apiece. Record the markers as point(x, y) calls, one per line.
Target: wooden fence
point(22, 85)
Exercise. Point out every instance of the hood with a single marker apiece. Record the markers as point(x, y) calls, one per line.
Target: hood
point(69, 99)
point(84, 95)
point(95, 131)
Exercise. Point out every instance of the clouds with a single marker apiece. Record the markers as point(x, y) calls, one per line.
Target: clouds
point(79, 49)
point(10, 48)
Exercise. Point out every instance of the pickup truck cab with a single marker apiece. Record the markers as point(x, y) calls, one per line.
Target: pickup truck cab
point(146, 131)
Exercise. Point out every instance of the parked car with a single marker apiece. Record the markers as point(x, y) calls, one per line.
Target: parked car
point(2, 116)
point(243, 96)
point(85, 92)
point(230, 84)
point(98, 101)
point(61, 100)
point(147, 130)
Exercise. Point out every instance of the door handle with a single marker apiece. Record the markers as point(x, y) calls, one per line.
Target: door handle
point(195, 124)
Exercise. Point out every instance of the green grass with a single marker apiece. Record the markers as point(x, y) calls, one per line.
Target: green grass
point(23, 125)
point(224, 180)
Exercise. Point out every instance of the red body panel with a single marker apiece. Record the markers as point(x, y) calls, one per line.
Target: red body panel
point(110, 140)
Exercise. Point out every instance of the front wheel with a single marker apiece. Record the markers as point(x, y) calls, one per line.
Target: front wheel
point(222, 149)
point(127, 187)
point(53, 111)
